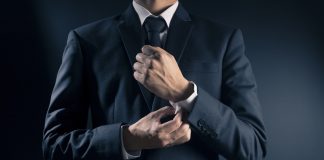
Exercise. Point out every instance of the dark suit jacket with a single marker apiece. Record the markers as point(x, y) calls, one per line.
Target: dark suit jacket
point(95, 92)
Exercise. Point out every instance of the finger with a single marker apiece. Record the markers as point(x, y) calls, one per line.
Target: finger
point(139, 77)
point(183, 139)
point(172, 125)
point(180, 132)
point(150, 50)
point(144, 59)
point(158, 114)
point(147, 62)
point(154, 51)
point(141, 57)
point(139, 67)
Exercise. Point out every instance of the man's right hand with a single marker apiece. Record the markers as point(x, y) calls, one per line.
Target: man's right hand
point(150, 133)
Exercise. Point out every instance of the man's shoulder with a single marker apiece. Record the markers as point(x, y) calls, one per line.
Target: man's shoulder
point(98, 27)
point(210, 26)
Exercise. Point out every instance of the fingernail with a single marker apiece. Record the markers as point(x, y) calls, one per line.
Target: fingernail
point(144, 47)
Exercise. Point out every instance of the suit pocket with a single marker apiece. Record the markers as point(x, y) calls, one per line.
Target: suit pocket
point(203, 67)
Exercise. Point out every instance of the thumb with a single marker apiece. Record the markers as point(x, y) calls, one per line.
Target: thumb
point(150, 50)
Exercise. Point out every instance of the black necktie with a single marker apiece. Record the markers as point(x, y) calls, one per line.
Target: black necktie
point(154, 26)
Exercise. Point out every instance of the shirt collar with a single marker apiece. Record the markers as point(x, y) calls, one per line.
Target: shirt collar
point(167, 15)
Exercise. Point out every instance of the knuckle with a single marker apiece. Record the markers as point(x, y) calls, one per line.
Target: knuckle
point(156, 114)
point(135, 74)
point(178, 123)
point(153, 63)
point(138, 56)
point(164, 143)
point(152, 116)
point(144, 70)
point(135, 65)
point(186, 127)
point(172, 57)
point(168, 55)
point(162, 55)
point(160, 136)
point(148, 63)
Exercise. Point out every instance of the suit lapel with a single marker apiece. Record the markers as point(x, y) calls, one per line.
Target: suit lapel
point(178, 35)
point(132, 36)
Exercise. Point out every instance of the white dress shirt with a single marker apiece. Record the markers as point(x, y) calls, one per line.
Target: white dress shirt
point(186, 104)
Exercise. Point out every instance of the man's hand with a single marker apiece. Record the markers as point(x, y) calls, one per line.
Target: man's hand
point(149, 133)
point(159, 72)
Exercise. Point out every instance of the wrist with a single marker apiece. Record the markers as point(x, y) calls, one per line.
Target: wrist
point(183, 92)
point(130, 140)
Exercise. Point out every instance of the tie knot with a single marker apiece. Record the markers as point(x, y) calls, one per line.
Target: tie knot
point(154, 24)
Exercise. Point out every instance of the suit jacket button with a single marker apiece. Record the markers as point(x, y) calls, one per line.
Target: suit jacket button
point(201, 123)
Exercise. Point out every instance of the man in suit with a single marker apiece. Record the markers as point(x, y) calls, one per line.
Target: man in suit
point(154, 83)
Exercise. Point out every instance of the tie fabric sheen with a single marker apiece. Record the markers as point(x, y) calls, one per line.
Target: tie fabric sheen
point(154, 26)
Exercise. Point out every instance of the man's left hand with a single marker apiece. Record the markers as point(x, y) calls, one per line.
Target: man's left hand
point(159, 72)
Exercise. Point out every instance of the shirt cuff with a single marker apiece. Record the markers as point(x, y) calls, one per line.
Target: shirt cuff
point(128, 154)
point(186, 104)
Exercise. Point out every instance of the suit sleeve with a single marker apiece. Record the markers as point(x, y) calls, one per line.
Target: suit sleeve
point(65, 133)
point(232, 125)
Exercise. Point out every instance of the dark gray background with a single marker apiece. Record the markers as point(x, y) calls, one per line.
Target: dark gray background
point(284, 40)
